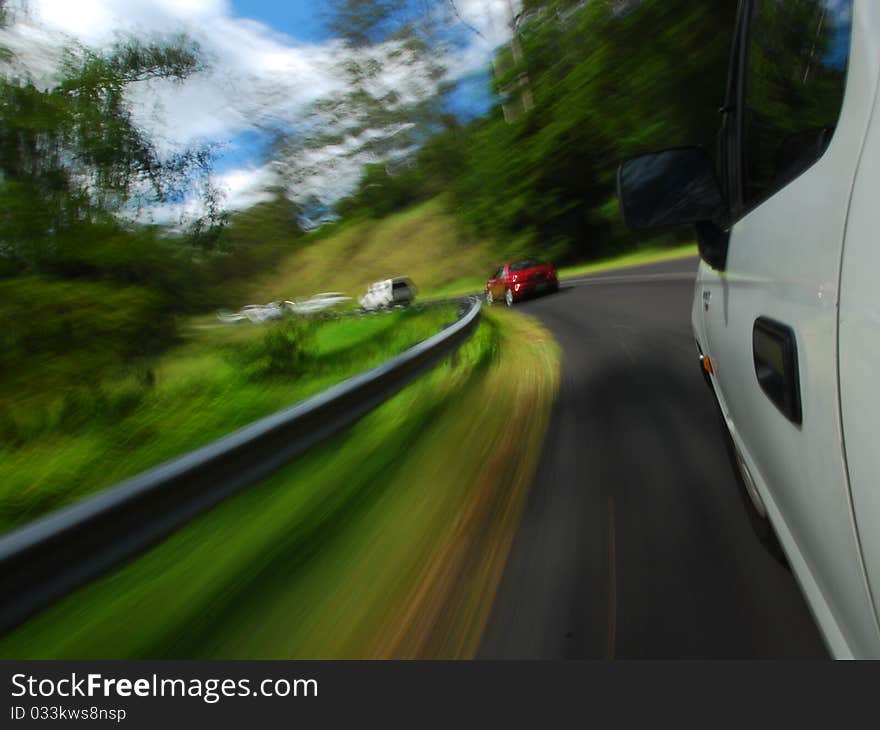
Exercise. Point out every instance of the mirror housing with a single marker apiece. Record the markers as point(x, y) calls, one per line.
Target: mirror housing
point(676, 187)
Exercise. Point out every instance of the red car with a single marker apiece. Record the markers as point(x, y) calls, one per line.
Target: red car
point(518, 280)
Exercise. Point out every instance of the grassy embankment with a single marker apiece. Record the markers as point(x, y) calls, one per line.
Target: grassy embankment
point(426, 243)
point(387, 541)
point(65, 445)
point(642, 257)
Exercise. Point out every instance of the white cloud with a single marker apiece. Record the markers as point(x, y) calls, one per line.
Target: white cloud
point(240, 188)
point(490, 23)
point(98, 21)
point(255, 72)
point(247, 186)
point(257, 75)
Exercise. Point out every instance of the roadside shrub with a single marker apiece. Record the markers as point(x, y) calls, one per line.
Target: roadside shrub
point(81, 406)
point(283, 350)
point(85, 405)
point(10, 432)
point(123, 400)
point(77, 329)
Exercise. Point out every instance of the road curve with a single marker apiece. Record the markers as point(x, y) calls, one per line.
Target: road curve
point(635, 542)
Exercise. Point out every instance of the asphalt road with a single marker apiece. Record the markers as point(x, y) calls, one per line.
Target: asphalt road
point(635, 542)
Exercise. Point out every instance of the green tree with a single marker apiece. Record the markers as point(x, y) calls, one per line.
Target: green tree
point(72, 156)
point(608, 80)
point(85, 289)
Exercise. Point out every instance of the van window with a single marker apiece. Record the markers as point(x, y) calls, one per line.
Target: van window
point(794, 89)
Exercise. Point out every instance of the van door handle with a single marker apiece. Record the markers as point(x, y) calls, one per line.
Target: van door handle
point(774, 347)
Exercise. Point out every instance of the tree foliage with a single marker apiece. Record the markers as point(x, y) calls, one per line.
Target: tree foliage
point(71, 155)
point(364, 22)
point(608, 80)
point(433, 169)
point(605, 80)
point(84, 286)
point(391, 98)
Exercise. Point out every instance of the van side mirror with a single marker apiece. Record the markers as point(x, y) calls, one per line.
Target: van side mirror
point(675, 187)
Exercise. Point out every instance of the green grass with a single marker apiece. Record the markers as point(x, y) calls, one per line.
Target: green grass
point(425, 242)
point(389, 540)
point(642, 257)
point(68, 446)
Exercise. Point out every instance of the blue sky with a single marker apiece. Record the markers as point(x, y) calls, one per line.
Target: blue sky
point(840, 21)
point(305, 21)
point(300, 20)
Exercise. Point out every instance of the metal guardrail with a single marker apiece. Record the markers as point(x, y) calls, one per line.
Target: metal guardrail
point(42, 561)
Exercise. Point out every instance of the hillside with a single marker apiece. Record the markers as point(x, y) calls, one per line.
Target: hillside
point(425, 242)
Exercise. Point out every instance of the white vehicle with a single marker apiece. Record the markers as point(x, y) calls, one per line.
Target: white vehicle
point(256, 313)
point(318, 303)
point(786, 310)
point(398, 291)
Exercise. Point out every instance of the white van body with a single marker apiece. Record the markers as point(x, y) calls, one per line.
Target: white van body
point(808, 258)
point(398, 291)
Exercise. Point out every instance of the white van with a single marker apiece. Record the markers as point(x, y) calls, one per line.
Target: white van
point(786, 310)
point(399, 291)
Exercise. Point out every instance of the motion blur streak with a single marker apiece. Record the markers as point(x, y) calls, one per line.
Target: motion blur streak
point(448, 611)
point(389, 541)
